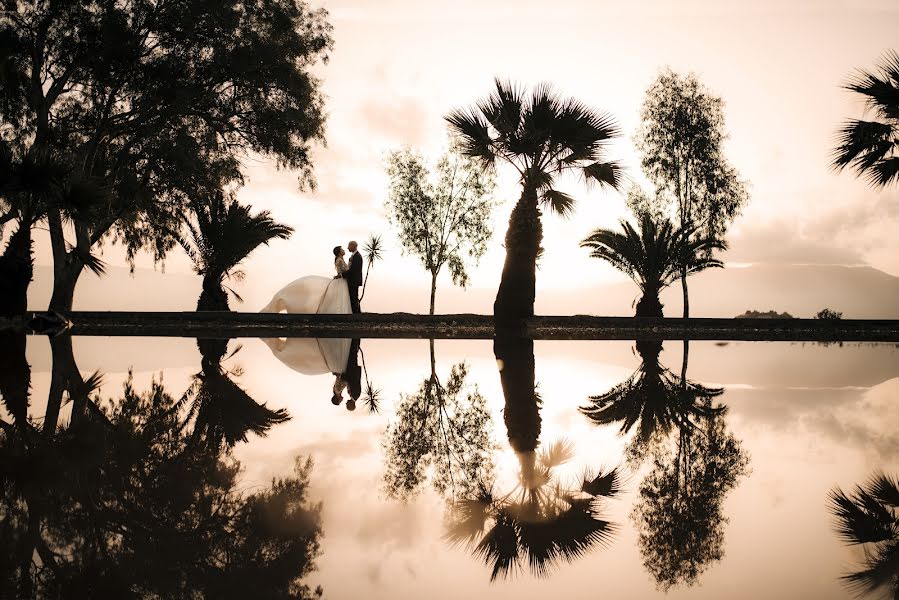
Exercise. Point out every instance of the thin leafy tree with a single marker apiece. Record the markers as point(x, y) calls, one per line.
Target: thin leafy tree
point(681, 145)
point(655, 256)
point(542, 135)
point(374, 253)
point(442, 214)
point(222, 233)
point(871, 147)
point(868, 516)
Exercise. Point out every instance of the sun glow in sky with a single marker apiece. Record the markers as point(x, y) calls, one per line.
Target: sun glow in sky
point(398, 66)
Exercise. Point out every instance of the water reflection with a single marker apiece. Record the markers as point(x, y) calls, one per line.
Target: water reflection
point(869, 517)
point(541, 522)
point(124, 500)
point(694, 463)
point(222, 412)
point(441, 432)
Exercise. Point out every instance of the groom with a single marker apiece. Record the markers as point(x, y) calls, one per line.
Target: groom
point(354, 275)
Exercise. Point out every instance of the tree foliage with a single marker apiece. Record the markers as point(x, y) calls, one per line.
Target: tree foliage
point(871, 147)
point(442, 215)
point(442, 433)
point(124, 504)
point(681, 142)
point(655, 256)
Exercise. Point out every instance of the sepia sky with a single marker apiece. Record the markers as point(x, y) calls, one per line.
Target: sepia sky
point(399, 66)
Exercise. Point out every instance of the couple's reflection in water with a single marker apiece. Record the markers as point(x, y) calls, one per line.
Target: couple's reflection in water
point(137, 496)
point(679, 429)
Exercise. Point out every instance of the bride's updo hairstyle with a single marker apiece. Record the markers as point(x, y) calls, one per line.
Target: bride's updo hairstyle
point(336, 251)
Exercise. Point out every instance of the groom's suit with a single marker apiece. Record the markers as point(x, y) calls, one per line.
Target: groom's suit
point(354, 280)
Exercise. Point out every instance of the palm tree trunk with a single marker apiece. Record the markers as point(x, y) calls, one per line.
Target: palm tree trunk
point(63, 370)
point(15, 376)
point(433, 290)
point(649, 305)
point(516, 294)
point(66, 266)
point(683, 283)
point(16, 271)
point(213, 297)
point(515, 358)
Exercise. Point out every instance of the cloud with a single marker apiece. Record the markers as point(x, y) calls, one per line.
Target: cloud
point(402, 121)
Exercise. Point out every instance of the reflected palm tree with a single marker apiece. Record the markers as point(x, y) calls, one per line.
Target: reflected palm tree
point(869, 517)
point(695, 462)
point(655, 401)
point(541, 522)
point(441, 432)
point(15, 375)
point(131, 507)
point(223, 413)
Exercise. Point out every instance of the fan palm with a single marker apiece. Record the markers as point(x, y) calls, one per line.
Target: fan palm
point(540, 522)
point(542, 135)
point(654, 257)
point(222, 233)
point(871, 148)
point(654, 400)
point(869, 516)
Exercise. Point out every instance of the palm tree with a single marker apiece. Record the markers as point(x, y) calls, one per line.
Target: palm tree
point(540, 522)
point(542, 135)
point(223, 413)
point(871, 148)
point(654, 400)
point(222, 233)
point(655, 256)
point(869, 517)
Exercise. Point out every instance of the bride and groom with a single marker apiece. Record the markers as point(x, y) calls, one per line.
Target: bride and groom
point(323, 295)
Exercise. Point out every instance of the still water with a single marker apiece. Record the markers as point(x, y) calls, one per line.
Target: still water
point(512, 468)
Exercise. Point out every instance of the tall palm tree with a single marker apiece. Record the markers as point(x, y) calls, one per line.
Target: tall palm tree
point(654, 400)
point(221, 234)
point(541, 522)
point(542, 135)
point(655, 256)
point(871, 148)
point(869, 517)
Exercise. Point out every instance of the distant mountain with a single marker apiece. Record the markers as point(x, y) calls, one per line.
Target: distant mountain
point(800, 290)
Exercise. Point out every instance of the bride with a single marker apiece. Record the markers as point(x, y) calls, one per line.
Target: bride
point(313, 294)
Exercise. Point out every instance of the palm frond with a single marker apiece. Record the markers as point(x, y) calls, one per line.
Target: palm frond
point(559, 202)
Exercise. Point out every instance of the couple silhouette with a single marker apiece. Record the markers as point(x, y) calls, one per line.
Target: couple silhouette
point(350, 379)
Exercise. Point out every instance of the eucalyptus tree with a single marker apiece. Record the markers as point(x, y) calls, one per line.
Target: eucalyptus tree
point(442, 214)
point(655, 256)
point(871, 147)
point(148, 96)
point(542, 135)
point(681, 142)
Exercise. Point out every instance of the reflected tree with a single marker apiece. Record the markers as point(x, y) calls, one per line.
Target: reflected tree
point(694, 462)
point(15, 375)
point(542, 522)
point(130, 507)
point(441, 432)
point(653, 400)
point(223, 413)
point(869, 517)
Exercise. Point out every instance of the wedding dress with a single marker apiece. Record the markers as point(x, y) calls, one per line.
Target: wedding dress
point(313, 295)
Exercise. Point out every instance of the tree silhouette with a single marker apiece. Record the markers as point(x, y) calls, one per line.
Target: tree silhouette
point(869, 517)
point(223, 413)
point(441, 432)
point(655, 401)
point(129, 506)
point(870, 147)
point(149, 97)
point(542, 135)
point(680, 140)
point(442, 216)
point(654, 257)
point(221, 234)
point(541, 521)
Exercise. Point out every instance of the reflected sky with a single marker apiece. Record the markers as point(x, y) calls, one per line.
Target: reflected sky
point(806, 418)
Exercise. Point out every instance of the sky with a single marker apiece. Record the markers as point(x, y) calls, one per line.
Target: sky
point(399, 66)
